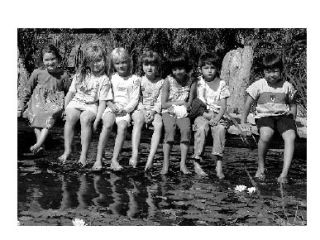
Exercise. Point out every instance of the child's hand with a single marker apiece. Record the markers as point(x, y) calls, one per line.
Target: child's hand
point(114, 108)
point(245, 127)
point(150, 116)
point(214, 121)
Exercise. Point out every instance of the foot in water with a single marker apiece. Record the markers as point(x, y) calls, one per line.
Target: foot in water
point(184, 169)
point(198, 170)
point(64, 157)
point(283, 180)
point(260, 175)
point(115, 166)
point(97, 166)
point(133, 161)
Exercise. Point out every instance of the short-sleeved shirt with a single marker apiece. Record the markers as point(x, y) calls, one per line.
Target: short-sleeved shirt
point(271, 101)
point(126, 91)
point(212, 93)
point(91, 89)
point(150, 98)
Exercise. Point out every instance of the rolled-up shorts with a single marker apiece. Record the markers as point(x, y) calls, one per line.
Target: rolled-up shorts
point(170, 124)
point(83, 106)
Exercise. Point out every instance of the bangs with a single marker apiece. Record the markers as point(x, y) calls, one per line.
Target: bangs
point(179, 62)
point(94, 53)
point(151, 60)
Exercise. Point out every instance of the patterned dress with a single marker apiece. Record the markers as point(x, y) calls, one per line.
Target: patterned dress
point(44, 94)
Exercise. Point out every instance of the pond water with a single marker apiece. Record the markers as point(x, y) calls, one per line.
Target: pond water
point(52, 194)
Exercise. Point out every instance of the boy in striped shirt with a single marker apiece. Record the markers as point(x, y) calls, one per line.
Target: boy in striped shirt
point(276, 110)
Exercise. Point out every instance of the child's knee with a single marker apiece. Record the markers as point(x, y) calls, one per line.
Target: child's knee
point(266, 134)
point(289, 135)
point(122, 126)
point(86, 118)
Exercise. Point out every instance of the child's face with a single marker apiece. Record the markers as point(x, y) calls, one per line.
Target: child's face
point(97, 65)
point(272, 75)
point(122, 66)
point(179, 73)
point(150, 70)
point(208, 72)
point(50, 61)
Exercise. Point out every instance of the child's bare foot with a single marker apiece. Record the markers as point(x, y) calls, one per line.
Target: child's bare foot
point(97, 166)
point(35, 149)
point(184, 169)
point(64, 157)
point(164, 170)
point(220, 175)
point(82, 161)
point(282, 179)
point(198, 170)
point(115, 166)
point(260, 175)
point(148, 165)
point(133, 161)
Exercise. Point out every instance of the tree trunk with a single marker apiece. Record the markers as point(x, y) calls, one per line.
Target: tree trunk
point(235, 71)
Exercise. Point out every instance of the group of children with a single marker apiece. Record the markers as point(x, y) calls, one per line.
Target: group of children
point(109, 91)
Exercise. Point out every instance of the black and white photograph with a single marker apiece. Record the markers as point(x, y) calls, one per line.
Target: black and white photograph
point(159, 119)
point(162, 127)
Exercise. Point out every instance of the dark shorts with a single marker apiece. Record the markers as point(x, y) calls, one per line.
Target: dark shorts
point(281, 123)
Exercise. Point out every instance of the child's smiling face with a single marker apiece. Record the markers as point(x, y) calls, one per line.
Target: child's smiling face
point(97, 65)
point(208, 72)
point(50, 61)
point(272, 75)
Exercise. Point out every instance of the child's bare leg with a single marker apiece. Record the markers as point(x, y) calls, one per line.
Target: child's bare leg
point(108, 121)
point(157, 124)
point(266, 134)
point(121, 134)
point(72, 117)
point(184, 153)
point(40, 139)
point(86, 120)
point(219, 171)
point(138, 119)
point(166, 155)
point(219, 138)
point(289, 138)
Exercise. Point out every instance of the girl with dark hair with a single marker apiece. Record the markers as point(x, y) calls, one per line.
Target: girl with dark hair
point(43, 96)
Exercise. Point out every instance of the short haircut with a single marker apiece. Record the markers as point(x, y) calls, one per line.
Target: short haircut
point(120, 53)
point(150, 57)
point(179, 61)
point(209, 58)
point(272, 60)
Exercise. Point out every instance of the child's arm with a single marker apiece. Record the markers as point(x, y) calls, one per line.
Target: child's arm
point(134, 96)
point(192, 95)
point(164, 97)
point(293, 110)
point(101, 108)
point(246, 109)
point(223, 107)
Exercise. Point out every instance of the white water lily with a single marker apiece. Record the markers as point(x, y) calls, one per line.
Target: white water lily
point(240, 188)
point(78, 222)
point(251, 190)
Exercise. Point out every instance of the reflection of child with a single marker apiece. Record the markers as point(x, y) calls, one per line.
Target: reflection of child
point(126, 87)
point(149, 106)
point(213, 92)
point(276, 110)
point(86, 99)
point(46, 86)
point(175, 92)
